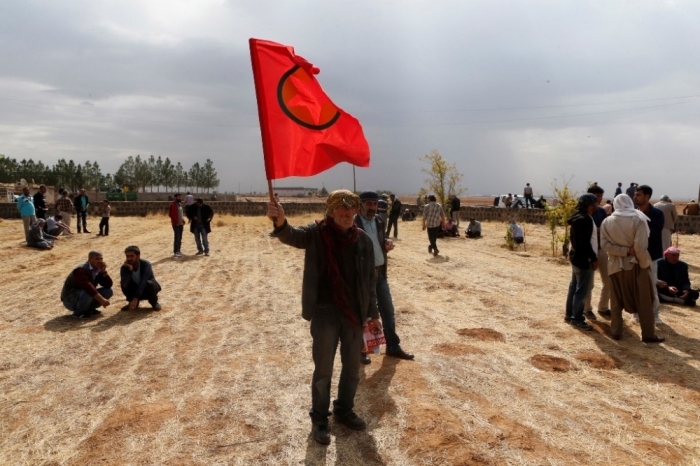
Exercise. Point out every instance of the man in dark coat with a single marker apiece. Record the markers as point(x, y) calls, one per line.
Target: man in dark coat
point(656, 222)
point(338, 296)
point(137, 281)
point(80, 293)
point(370, 223)
point(200, 215)
point(394, 214)
point(583, 258)
point(40, 202)
point(673, 281)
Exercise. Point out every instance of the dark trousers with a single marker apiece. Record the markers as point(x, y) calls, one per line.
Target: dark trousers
point(150, 293)
point(82, 216)
point(386, 311)
point(41, 214)
point(528, 202)
point(328, 328)
point(87, 303)
point(104, 223)
point(473, 234)
point(432, 237)
point(177, 231)
point(578, 289)
point(393, 220)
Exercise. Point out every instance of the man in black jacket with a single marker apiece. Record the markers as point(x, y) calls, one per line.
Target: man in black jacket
point(81, 203)
point(455, 206)
point(583, 258)
point(370, 223)
point(394, 214)
point(137, 281)
point(200, 215)
point(40, 202)
point(338, 296)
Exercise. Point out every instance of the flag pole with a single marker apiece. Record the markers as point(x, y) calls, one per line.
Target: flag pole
point(354, 185)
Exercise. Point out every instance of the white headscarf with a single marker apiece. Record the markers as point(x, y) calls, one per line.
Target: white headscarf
point(624, 207)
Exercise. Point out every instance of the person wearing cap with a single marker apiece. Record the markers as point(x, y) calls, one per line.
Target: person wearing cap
point(673, 281)
point(37, 238)
point(200, 215)
point(624, 235)
point(137, 281)
point(433, 218)
point(667, 206)
point(584, 259)
point(473, 229)
point(80, 294)
point(368, 221)
point(338, 296)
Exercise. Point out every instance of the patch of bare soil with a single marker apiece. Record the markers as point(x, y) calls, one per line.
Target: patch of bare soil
point(549, 363)
point(598, 360)
point(484, 334)
point(221, 375)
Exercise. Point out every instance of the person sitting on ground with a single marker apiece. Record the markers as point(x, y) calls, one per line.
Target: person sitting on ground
point(56, 227)
point(408, 216)
point(473, 229)
point(692, 208)
point(449, 229)
point(37, 238)
point(508, 200)
point(137, 281)
point(673, 282)
point(80, 293)
point(517, 232)
point(539, 203)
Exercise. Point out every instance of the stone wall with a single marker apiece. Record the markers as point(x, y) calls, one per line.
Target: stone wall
point(685, 223)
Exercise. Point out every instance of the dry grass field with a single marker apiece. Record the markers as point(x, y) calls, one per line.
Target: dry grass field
point(221, 374)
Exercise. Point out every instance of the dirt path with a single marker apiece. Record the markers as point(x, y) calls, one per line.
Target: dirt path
point(221, 374)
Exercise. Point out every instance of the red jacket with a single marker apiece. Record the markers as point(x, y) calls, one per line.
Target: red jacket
point(173, 214)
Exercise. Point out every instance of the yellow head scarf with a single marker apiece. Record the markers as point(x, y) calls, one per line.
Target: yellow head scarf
point(342, 197)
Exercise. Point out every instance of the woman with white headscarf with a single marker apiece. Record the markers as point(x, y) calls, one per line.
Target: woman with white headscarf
point(625, 237)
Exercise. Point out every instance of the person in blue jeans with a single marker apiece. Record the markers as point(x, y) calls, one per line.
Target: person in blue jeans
point(583, 258)
point(368, 221)
point(200, 215)
point(80, 293)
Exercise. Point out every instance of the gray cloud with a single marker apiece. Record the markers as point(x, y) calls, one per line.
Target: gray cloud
point(510, 91)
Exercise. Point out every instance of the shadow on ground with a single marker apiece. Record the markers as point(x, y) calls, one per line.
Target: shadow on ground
point(68, 323)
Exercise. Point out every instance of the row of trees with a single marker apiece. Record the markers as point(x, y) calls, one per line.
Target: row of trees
point(135, 173)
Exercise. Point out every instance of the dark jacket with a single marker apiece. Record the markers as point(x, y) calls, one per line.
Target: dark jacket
point(381, 236)
point(77, 203)
point(395, 208)
point(81, 279)
point(455, 205)
point(40, 202)
point(207, 215)
point(309, 239)
point(135, 290)
point(581, 253)
point(674, 275)
point(656, 222)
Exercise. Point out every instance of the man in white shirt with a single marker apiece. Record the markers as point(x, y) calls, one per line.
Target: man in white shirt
point(474, 228)
point(55, 226)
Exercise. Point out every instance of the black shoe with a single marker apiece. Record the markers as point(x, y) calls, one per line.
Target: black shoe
point(351, 420)
point(100, 234)
point(125, 308)
point(84, 315)
point(430, 248)
point(199, 253)
point(401, 354)
point(95, 312)
point(156, 307)
point(567, 320)
point(321, 434)
point(607, 313)
point(364, 359)
point(581, 325)
point(654, 339)
point(87, 231)
point(589, 315)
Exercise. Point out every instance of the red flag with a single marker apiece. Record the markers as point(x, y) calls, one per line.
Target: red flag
point(303, 131)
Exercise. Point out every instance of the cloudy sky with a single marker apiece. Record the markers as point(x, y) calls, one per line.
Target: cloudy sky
point(511, 91)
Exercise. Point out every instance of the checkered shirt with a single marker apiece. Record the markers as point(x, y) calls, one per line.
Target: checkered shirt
point(433, 215)
point(64, 204)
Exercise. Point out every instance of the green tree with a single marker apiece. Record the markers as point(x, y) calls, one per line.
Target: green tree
point(168, 174)
point(8, 169)
point(443, 178)
point(180, 179)
point(142, 173)
point(210, 179)
point(195, 177)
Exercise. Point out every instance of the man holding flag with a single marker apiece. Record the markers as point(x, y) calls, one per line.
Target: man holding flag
point(304, 133)
point(338, 296)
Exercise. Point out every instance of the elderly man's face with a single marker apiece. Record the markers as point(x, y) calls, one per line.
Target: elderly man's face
point(370, 209)
point(343, 216)
point(673, 258)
